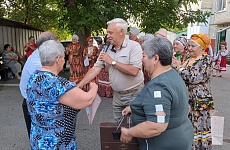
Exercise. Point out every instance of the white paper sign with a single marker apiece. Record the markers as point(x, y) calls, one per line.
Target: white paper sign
point(86, 61)
point(217, 128)
point(92, 109)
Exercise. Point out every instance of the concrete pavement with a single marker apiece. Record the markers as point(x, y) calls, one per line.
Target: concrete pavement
point(13, 134)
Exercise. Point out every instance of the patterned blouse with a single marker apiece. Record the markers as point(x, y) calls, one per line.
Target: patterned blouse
point(197, 76)
point(53, 124)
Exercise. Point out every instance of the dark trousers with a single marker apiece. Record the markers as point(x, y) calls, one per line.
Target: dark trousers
point(26, 116)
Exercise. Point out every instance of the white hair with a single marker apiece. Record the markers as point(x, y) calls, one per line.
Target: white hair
point(120, 23)
point(49, 51)
point(75, 37)
point(134, 31)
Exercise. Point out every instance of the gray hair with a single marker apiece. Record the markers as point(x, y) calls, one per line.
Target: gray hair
point(148, 36)
point(120, 23)
point(75, 37)
point(49, 51)
point(45, 36)
point(159, 46)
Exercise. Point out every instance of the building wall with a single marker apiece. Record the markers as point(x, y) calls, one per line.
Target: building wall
point(198, 28)
point(221, 16)
point(206, 4)
point(16, 37)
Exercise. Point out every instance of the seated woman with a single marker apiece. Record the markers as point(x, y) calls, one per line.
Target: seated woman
point(54, 102)
point(160, 110)
point(10, 59)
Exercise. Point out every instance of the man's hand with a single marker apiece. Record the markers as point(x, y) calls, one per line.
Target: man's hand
point(93, 85)
point(126, 111)
point(106, 58)
point(79, 85)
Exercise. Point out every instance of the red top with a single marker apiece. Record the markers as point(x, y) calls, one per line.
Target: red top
point(30, 51)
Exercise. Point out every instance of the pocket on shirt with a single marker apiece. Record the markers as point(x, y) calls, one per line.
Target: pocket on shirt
point(123, 59)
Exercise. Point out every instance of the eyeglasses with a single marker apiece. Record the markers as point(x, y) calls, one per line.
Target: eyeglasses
point(90, 41)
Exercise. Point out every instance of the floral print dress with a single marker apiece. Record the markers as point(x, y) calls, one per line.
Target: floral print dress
point(93, 51)
point(197, 78)
point(76, 62)
point(53, 124)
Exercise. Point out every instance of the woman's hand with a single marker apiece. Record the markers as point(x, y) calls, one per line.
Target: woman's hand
point(175, 62)
point(126, 111)
point(125, 137)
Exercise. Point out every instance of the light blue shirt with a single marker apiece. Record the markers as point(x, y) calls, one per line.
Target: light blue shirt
point(32, 64)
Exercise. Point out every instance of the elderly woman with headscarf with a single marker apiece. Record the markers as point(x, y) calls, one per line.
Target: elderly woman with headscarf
point(180, 48)
point(54, 102)
point(160, 110)
point(195, 72)
point(75, 53)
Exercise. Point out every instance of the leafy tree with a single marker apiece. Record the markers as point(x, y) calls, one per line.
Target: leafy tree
point(85, 16)
point(41, 14)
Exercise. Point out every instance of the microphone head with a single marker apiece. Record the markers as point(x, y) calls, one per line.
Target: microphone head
point(106, 46)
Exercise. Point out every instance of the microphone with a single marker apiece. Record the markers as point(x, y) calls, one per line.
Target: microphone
point(106, 46)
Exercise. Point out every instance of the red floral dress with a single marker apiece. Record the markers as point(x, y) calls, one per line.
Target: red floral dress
point(93, 51)
point(104, 88)
point(76, 62)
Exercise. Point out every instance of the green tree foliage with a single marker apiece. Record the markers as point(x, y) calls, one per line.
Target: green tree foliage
point(42, 14)
point(84, 17)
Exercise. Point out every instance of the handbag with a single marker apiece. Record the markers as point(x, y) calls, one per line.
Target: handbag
point(203, 104)
point(117, 132)
point(110, 137)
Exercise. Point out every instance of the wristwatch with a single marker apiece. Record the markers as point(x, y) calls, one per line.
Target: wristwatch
point(114, 62)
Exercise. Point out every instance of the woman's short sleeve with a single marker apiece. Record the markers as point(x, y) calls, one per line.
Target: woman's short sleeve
point(64, 86)
point(158, 98)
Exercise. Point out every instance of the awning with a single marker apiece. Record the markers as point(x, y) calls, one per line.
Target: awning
point(221, 30)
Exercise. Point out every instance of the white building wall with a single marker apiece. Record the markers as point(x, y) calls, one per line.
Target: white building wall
point(198, 28)
point(171, 36)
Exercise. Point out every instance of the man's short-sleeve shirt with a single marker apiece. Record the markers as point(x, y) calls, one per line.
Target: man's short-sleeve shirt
point(130, 53)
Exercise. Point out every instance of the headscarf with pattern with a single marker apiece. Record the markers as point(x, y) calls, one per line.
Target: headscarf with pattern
point(182, 40)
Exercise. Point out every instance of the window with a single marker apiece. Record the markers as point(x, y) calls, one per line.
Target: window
point(221, 5)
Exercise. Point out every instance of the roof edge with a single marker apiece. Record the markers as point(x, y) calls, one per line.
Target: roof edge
point(16, 24)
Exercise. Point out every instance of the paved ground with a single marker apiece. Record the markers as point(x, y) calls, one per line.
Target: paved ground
point(13, 134)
